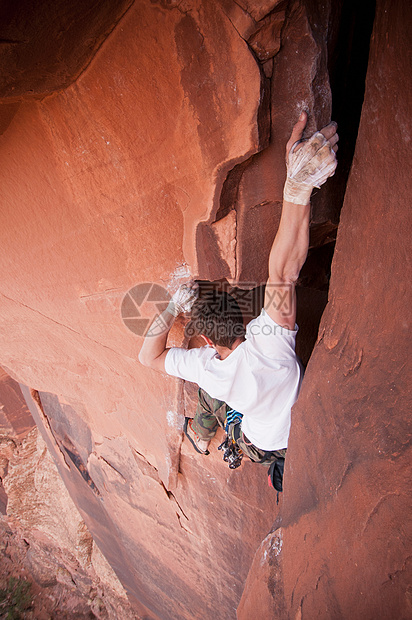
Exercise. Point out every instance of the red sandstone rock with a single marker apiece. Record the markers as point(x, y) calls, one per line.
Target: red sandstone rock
point(258, 9)
point(15, 420)
point(43, 538)
point(103, 187)
point(45, 45)
point(253, 188)
point(345, 527)
point(266, 41)
point(91, 178)
point(132, 175)
point(163, 543)
point(15, 423)
point(299, 75)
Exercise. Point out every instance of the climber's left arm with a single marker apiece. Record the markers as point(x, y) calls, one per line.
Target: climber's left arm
point(310, 163)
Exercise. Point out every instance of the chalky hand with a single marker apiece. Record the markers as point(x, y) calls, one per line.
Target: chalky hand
point(184, 298)
point(309, 162)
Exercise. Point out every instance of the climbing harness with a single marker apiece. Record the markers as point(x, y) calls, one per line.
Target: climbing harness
point(232, 453)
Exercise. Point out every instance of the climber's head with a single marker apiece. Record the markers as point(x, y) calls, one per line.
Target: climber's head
point(217, 316)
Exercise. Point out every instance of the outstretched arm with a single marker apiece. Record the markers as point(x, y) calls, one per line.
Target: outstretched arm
point(310, 163)
point(153, 352)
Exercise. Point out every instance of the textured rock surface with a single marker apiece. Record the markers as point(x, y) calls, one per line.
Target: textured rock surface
point(15, 423)
point(92, 178)
point(43, 537)
point(44, 46)
point(172, 550)
point(164, 159)
point(343, 540)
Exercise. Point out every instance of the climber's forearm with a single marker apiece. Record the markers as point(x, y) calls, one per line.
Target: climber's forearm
point(290, 247)
point(153, 352)
point(309, 164)
point(154, 344)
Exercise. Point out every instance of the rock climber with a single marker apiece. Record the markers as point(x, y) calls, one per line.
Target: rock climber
point(249, 378)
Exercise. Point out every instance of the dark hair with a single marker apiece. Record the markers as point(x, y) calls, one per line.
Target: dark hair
point(216, 315)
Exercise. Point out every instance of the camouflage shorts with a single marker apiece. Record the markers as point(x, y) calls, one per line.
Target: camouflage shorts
point(211, 413)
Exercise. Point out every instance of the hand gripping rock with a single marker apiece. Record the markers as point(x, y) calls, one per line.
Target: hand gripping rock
point(308, 167)
point(183, 299)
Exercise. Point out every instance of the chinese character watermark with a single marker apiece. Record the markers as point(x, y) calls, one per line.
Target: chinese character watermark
point(143, 305)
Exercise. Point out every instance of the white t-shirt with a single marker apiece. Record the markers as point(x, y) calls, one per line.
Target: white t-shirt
point(260, 379)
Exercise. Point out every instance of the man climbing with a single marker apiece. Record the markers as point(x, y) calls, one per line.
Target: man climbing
point(253, 371)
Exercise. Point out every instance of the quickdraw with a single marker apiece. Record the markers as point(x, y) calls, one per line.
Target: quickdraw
point(232, 453)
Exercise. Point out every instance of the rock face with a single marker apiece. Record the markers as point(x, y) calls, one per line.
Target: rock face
point(341, 546)
point(15, 423)
point(45, 543)
point(93, 177)
point(43, 47)
point(161, 157)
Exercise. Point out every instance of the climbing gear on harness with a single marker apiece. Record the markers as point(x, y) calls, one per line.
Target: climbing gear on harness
point(233, 417)
point(232, 453)
point(187, 427)
point(275, 476)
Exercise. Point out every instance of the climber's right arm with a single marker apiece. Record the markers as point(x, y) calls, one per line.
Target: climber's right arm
point(153, 352)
